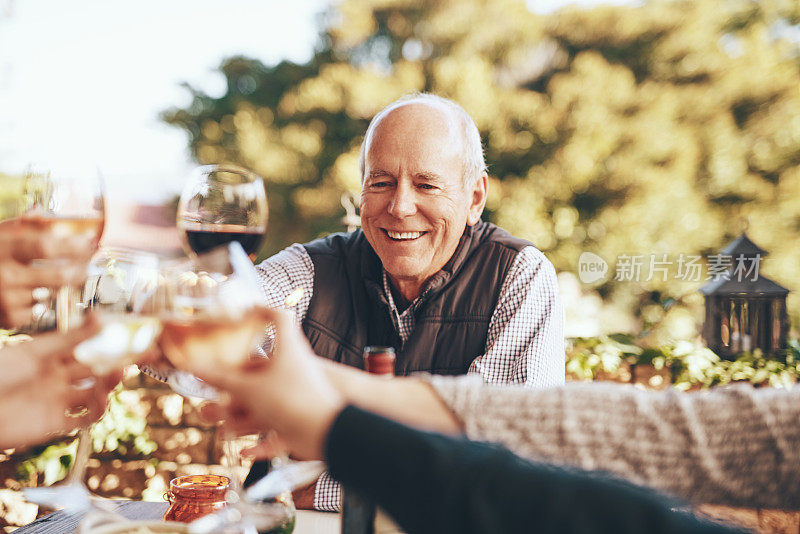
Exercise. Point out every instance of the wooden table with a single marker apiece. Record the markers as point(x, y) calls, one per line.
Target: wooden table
point(60, 523)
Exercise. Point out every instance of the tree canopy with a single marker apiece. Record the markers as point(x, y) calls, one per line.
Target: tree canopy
point(655, 128)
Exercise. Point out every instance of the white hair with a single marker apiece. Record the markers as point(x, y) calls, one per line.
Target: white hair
point(474, 163)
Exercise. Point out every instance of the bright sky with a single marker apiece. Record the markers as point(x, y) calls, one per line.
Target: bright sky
point(83, 81)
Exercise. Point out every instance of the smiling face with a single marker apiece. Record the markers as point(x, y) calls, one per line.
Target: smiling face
point(414, 203)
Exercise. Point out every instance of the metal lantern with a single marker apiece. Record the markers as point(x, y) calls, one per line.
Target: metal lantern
point(744, 310)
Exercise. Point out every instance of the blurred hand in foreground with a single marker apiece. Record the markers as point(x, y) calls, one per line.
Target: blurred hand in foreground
point(38, 396)
point(19, 246)
point(26, 362)
point(288, 392)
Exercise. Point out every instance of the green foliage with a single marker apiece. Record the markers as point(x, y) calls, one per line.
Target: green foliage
point(51, 461)
point(120, 430)
point(619, 129)
point(589, 356)
point(687, 365)
point(753, 368)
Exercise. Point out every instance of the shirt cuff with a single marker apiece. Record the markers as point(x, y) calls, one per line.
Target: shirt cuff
point(327, 494)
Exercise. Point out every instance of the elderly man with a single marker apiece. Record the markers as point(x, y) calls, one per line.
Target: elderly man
point(451, 293)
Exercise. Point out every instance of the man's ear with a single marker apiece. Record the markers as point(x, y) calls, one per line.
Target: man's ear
point(478, 199)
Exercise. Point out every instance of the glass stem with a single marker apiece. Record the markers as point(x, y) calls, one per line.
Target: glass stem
point(82, 453)
point(281, 457)
point(63, 308)
point(233, 460)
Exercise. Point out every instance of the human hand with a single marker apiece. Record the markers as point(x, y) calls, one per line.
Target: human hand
point(26, 362)
point(271, 446)
point(24, 243)
point(19, 247)
point(37, 390)
point(287, 392)
point(33, 412)
point(303, 498)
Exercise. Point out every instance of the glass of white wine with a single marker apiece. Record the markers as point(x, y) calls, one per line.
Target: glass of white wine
point(210, 318)
point(63, 201)
point(123, 288)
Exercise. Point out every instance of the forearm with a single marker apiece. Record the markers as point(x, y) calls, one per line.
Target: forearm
point(410, 401)
point(739, 446)
point(433, 483)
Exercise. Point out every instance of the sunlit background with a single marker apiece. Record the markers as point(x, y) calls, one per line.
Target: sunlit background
point(616, 128)
point(611, 129)
point(87, 80)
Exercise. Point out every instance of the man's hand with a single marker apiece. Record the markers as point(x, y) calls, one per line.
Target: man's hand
point(287, 392)
point(272, 446)
point(304, 497)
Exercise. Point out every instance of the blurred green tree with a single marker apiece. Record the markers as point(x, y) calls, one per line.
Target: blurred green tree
point(657, 128)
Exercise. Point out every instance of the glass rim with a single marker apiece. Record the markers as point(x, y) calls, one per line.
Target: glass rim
point(379, 349)
point(126, 253)
point(206, 170)
point(222, 480)
point(210, 486)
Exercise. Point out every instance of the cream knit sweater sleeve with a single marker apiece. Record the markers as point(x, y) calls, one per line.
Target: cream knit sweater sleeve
point(737, 446)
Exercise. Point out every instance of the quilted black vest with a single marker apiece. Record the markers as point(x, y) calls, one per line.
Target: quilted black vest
point(348, 309)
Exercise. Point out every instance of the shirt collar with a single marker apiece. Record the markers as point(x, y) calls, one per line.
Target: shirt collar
point(438, 280)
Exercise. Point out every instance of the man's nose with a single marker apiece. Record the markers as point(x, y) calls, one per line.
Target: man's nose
point(403, 202)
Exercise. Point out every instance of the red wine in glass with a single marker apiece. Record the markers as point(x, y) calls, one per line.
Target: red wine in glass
point(202, 238)
point(221, 204)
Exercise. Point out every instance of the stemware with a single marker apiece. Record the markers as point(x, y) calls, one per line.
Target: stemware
point(123, 288)
point(210, 318)
point(220, 204)
point(62, 201)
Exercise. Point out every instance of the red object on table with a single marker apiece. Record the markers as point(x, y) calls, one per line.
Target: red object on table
point(358, 512)
point(194, 496)
point(379, 360)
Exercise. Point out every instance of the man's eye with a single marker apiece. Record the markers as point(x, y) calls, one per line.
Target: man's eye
point(379, 184)
point(428, 187)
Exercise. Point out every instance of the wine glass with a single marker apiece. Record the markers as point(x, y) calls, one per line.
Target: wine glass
point(123, 287)
point(220, 204)
point(210, 318)
point(63, 201)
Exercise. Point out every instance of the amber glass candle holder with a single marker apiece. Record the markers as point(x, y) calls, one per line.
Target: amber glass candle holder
point(194, 496)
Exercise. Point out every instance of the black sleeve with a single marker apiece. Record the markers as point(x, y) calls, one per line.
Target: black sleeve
point(438, 484)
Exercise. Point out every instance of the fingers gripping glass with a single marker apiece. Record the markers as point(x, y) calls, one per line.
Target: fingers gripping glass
point(123, 288)
point(210, 319)
point(61, 202)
